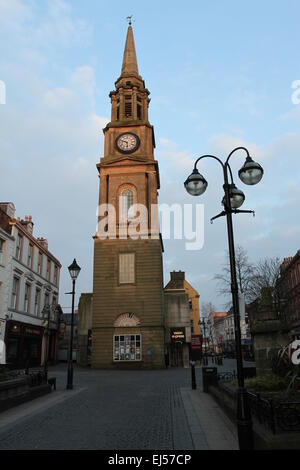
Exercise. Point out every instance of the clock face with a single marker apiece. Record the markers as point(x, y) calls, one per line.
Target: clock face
point(127, 142)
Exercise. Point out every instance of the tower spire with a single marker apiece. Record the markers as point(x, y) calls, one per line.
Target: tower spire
point(130, 66)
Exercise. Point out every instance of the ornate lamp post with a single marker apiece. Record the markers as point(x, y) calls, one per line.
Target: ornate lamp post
point(74, 271)
point(250, 173)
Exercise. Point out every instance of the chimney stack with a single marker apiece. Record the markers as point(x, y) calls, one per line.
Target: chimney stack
point(43, 242)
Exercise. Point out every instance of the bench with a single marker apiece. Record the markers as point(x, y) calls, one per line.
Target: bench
point(52, 382)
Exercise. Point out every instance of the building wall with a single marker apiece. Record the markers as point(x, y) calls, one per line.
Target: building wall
point(194, 307)
point(19, 265)
point(177, 317)
point(5, 278)
point(144, 299)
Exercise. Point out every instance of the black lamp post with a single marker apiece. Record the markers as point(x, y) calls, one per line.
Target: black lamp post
point(46, 318)
point(205, 358)
point(250, 173)
point(74, 271)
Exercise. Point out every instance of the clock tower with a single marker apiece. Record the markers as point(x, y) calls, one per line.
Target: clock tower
point(128, 313)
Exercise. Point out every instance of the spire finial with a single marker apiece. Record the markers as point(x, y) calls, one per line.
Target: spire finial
point(129, 19)
point(129, 66)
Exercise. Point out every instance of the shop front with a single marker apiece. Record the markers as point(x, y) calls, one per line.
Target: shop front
point(178, 348)
point(23, 345)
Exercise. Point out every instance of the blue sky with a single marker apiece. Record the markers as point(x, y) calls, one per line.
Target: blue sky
point(220, 75)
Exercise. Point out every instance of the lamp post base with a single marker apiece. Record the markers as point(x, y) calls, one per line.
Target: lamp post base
point(244, 422)
point(70, 379)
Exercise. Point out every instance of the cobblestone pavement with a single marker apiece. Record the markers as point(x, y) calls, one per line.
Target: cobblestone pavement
point(106, 410)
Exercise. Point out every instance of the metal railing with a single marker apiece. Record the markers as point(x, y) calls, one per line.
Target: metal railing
point(278, 416)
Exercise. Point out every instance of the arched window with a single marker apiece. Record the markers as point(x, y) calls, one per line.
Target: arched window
point(127, 201)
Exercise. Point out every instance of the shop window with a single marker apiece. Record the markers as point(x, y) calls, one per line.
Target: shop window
point(127, 348)
point(127, 268)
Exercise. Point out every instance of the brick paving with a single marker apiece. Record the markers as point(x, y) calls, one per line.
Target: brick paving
point(113, 410)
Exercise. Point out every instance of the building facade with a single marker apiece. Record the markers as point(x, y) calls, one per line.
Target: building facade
point(29, 292)
point(128, 313)
point(288, 289)
point(178, 321)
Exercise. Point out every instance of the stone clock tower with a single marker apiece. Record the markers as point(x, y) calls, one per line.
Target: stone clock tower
point(128, 313)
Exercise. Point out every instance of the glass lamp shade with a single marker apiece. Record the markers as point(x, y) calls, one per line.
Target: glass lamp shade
point(251, 172)
point(74, 270)
point(195, 184)
point(237, 197)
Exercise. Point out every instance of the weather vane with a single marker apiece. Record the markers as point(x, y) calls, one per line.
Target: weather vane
point(129, 19)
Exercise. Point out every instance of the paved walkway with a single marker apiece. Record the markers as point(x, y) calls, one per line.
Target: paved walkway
point(120, 410)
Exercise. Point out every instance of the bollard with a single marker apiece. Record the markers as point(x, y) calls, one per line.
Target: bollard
point(194, 384)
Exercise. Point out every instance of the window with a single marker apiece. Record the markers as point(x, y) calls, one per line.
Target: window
point(27, 298)
point(190, 304)
point(55, 275)
point(47, 300)
point(192, 326)
point(15, 293)
point(2, 243)
point(127, 348)
point(40, 263)
point(127, 202)
point(128, 109)
point(30, 256)
point(139, 111)
point(37, 302)
point(48, 269)
point(127, 268)
point(19, 247)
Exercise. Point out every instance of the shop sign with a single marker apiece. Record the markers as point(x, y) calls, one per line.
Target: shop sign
point(196, 342)
point(177, 334)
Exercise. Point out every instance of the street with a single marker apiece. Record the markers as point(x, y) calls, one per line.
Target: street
point(110, 410)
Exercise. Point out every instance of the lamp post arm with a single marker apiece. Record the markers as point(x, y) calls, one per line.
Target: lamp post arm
point(218, 160)
point(208, 156)
point(235, 150)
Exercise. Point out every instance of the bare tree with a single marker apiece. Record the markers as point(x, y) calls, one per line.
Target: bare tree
point(266, 274)
point(244, 270)
point(206, 309)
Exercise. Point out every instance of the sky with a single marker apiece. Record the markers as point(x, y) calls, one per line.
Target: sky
point(220, 75)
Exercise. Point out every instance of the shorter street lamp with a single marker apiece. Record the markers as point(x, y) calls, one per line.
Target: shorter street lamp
point(74, 271)
point(46, 317)
point(251, 173)
point(205, 358)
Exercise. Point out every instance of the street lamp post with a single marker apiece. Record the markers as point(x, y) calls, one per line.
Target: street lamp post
point(74, 271)
point(250, 173)
point(205, 359)
point(46, 318)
